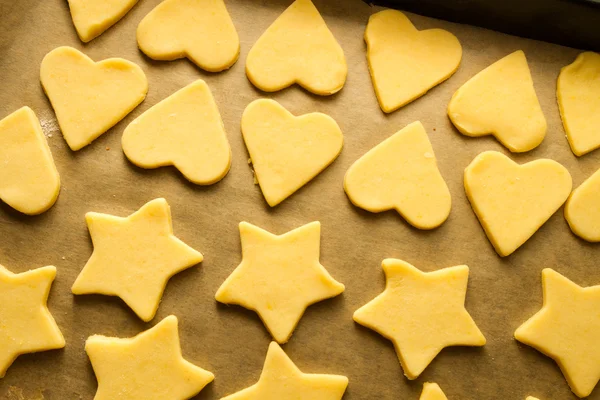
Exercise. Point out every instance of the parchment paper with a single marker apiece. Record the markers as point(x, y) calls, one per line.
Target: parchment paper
point(230, 341)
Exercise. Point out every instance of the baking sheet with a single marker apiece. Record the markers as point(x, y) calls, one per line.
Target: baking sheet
point(230, 341)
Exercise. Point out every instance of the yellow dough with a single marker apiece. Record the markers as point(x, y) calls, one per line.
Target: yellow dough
point(401, 173)
point(29, 181)
point(26, 325)
point(582, 211)
point(288, 151)
point(148, 366)
point(89, 98)
point(281, 379)
point(404, 62)
point(421, 313)
point(298, 48)
point(279, 277)
point(513, 201)
point(501, 101)
point(578, 93)
point(134, 257)
point(184, 130)
point(432, 391)
point(567, 329)
point(92, 17)
point(531, 398)
point(200, 30)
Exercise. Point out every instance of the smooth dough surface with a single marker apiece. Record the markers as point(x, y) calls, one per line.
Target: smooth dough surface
point(501, 101)
point(92, 17)
point(288, 151)
point(26, 325)
point(578, 94)
point(582, 211)
point(513, 201)
point(401, 173)
point(279, 277)
point(404, 62)
point(29, 181)
point(148, 366)
point(281, 379)
point(432, 391)
point(184, 130)
point(200, 30)
point(298, 48)
point(567, 329)
point(90, 97)
point(134, 257)
point(421, 313)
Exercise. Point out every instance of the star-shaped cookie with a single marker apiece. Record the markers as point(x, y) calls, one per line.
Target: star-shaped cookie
point(279, 277)
point(281, 379)
point(134, 257)
point(26, 325)
point(148, 366)
point(421, 313)
point(432, 391)
point(567, 329)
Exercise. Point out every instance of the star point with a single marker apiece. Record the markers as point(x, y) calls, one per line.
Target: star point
point(282, 379)
point(421, 313)
point(134, 257)
point(26, 325)
point(567, 329)
point(279, 277)
point(149, 366)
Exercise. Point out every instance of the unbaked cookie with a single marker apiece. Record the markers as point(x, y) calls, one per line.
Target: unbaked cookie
point(298, 48)
point(404, 62)
point(184, 130)
point(92, 17)
point(582, 211)
point(401, 173)
point(29, 181)
point(90, 97)
point(501, 101)
point(432, 391)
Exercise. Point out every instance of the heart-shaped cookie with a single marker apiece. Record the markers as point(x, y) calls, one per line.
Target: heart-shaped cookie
point(404, 62)
point(501, 101)
point(513, 201)
point(288, 151)
point(184, 130)
point(92, 17)
point(29, 181)
point(200, 30)
point(582, 211)
point(578, 94)
point(401, 173)
point(298, 48)
point(89, 98)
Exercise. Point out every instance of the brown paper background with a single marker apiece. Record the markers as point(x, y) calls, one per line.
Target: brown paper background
point(230, 341)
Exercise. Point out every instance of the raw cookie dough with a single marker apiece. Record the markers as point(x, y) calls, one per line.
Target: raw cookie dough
point(92, 17)
point(531, 398)
point(281, 379)
point(184, 130)
point(578, 94)
point(513, 201)
point(582, 211)
point(148, 366)
point(200, 30)
point(298, 48)
point(89, 98)
point(288, 151)
point(567, 329)
point(401, 173)
point(421, 313)
point(26, 325)
point(432, 391)
point(134, 257)
point(404, 62)
point(501, 101)
point(29, 181)
point(279, 277)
